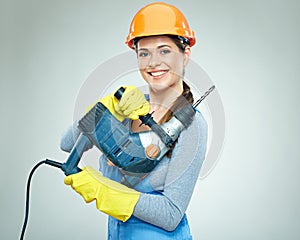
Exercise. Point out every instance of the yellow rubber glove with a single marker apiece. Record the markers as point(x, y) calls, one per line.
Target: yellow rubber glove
point(111, 197)
point(132, 104)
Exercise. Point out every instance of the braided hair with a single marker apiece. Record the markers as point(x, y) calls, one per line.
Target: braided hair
point(185, 98)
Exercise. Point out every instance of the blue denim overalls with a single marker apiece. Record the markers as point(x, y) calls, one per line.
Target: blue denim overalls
point(134, 228)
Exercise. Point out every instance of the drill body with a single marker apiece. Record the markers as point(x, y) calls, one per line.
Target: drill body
point(135, 154)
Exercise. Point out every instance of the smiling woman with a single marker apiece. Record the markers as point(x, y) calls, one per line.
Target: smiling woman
point(161, 63)
point(154, 207)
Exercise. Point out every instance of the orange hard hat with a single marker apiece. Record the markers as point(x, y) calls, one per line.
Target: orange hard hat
point(159, 19)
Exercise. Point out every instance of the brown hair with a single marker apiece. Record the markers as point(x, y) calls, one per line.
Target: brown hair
point(185, 98)
point(181, 101)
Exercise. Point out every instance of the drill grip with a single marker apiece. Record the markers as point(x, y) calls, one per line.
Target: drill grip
point(149, 121)
point(118, 94)
point(70, 166)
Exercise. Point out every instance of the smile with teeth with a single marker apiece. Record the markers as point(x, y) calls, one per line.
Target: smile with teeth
point(158, 73)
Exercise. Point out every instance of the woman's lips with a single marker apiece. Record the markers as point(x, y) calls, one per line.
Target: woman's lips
point(158, 74)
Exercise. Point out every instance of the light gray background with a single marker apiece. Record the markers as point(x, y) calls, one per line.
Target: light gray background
point(250, 49)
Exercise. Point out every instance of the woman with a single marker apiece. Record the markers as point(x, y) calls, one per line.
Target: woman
point(155, 207)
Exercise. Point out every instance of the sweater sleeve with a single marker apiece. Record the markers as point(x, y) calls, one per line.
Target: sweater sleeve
point(167, 208)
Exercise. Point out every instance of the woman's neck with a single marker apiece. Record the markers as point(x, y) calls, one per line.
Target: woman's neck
point(162, 101)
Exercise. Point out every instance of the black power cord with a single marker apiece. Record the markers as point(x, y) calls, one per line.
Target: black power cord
point(50, 162)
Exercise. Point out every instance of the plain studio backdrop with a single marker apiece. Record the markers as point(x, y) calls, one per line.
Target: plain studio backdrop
point(250, 50)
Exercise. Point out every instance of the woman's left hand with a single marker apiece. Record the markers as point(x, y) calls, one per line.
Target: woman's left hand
point(132, 104)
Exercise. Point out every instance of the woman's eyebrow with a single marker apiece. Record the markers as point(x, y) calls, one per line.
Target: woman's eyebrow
point(164, 45)
point(158, 47)
point(143, 49)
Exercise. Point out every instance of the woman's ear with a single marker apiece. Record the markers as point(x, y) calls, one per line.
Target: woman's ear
point(187, 54)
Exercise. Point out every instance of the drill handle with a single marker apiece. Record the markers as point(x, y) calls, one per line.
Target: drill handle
point(149, 121)
point(70, 166)
point(118, 94)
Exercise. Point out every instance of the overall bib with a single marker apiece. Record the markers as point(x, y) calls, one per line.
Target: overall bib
point(134, 228)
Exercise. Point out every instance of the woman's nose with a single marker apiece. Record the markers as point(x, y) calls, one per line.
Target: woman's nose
point(154, 60)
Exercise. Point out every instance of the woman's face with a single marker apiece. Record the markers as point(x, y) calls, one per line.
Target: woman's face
point(161, 63)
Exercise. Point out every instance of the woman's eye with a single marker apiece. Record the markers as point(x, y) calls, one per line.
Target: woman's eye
point(165, 51)
point(143, 54)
